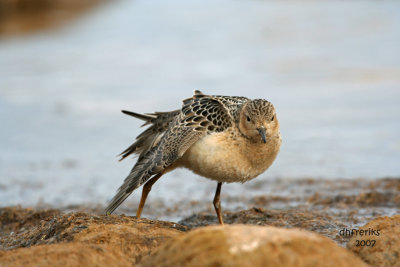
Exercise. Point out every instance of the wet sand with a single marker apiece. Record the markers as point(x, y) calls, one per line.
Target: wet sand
point(322, 206)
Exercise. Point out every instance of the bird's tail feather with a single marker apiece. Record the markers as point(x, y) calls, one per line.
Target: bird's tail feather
point(145, 117)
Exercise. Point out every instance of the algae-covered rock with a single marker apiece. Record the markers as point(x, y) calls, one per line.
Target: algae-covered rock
point(379, 242)
point(50, 238)
point(245, 245)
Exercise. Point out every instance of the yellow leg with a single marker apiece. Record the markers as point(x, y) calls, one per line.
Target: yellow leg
point(217, 203)
point(146, 190)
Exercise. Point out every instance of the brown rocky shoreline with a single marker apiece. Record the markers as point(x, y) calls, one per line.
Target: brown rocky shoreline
point(306, 222)
point(254, 237)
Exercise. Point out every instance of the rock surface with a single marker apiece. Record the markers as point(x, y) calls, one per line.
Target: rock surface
point(378, 248)
point(245, 245)
point(48, 238)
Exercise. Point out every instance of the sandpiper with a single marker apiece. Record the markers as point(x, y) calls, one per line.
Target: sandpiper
point(223, 138)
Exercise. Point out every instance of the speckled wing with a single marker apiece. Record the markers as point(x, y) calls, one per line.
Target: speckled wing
point(199, 115)
point(211, 113)
point(232, 104)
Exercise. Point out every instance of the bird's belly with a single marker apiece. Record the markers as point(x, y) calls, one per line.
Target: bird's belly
point(219, 157)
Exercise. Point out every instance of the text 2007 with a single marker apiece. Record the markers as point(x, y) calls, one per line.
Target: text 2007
point(365, 243)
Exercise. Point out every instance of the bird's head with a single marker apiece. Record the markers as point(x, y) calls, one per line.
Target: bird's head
point(258, 121)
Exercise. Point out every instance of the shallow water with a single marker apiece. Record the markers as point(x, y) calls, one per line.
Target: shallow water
point(331, 68)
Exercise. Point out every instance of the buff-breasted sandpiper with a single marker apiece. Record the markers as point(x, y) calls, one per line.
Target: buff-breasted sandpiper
point(223, 138)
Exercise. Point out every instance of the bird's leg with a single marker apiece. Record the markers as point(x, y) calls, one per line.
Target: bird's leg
point(146, 190)
point(217, 203)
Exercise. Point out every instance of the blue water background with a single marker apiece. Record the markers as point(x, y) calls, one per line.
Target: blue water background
point(331, 68)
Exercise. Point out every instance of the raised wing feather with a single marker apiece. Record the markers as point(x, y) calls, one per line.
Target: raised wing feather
point(151, 136)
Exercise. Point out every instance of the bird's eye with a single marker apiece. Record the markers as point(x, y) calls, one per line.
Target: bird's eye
point(248, 118)
point(273, 117)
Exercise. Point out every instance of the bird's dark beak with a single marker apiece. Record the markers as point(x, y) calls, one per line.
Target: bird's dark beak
point(263, 134)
